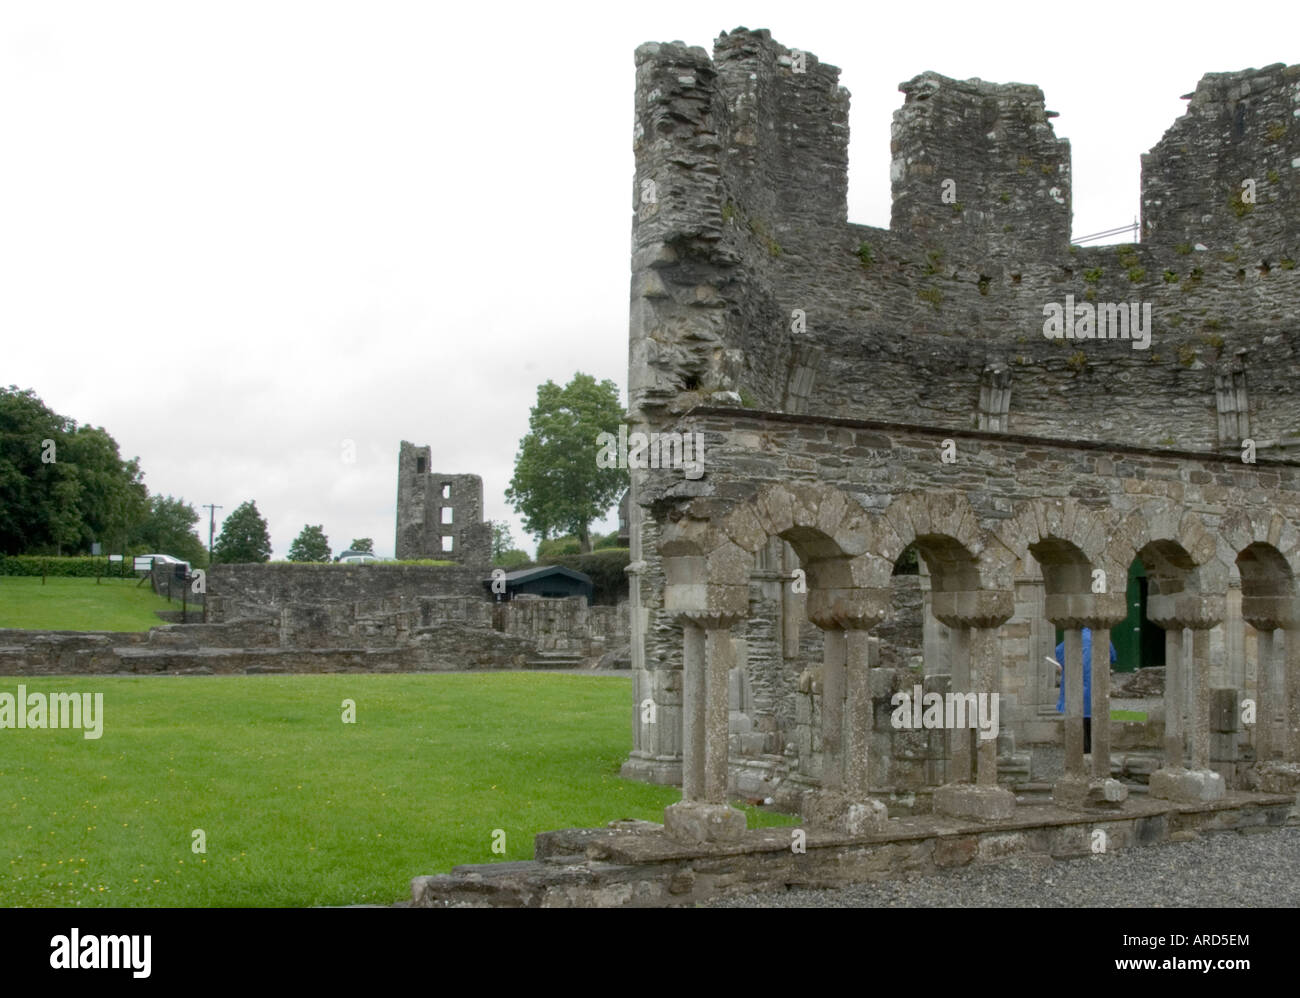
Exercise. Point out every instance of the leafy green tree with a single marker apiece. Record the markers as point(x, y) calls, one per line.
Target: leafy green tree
point(112, 500)
point(61, 486)
point(511, 559)
point(169, 529)
point(557, 547)
point(502, 541)
point(557, 486)
point(360, 544)
point(243, 537)
point(310, 545)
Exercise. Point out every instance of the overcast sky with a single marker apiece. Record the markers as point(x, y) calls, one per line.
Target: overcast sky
point(238, 234)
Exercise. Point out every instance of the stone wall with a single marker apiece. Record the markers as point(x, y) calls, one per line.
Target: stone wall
point(392, 633)
point(757, 307)
point(439, 515)
point(914, 323)
point(235, 590)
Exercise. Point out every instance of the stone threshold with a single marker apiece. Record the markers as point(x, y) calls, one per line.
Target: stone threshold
point(636, 864)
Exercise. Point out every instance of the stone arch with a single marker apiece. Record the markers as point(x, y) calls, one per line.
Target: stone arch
point(1266, 549)
point(1180, 554)
point(945, 531)
point(1069, 541)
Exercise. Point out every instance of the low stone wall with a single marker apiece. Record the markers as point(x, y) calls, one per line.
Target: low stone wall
point(270, 586)
point(636, 864)
point(389, 633)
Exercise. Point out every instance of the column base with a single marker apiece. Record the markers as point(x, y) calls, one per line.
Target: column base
point(1277, 777)
point(697, 822)
point(972, 800)
point(1187, 786)
point(833, 811)
point(661, 770)
point(1084, 793)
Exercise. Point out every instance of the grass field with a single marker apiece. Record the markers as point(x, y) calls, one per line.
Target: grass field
point(299, 808)
point(79, 604)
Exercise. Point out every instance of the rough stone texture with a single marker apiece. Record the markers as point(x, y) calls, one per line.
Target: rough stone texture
point(830, 366)
point(697, 822)
point(439, 515)
point(1187, 785)
point(391, 633)
point(966, 800)
point(237, 590)
point(636, 864)
point(1082, 793)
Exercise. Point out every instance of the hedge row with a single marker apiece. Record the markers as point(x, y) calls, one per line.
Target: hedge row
point(83, 567)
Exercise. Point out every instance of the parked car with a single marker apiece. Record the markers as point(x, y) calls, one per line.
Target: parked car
point(357, 558)
point(144, 562)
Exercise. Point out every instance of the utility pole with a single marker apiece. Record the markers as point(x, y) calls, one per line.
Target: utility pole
point(212, 526)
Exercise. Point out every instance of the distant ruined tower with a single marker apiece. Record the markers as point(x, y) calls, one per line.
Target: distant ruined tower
point(439, 515)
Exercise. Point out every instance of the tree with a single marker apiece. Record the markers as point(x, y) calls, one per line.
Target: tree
point(243, 537)
point(310, 545)
point(511, 559)
point(557, 486)
point(61, 486)
point(112, 500)
point(558, 547)
point(168, 528)
point(362, 544)
point(501, 539)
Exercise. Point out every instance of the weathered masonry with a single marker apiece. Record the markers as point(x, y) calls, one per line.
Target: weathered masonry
point(865, 391)
point(439, 516)
point(869, 394)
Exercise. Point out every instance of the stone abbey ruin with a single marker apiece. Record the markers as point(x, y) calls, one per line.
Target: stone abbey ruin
point(931, 453)
point(1051, 429)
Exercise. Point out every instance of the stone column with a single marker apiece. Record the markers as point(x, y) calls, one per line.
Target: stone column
point(835, 650)
point(843, 804)
point(703, 814)
point(975, 618)
point(1200, 704)
point(985, 652)
point(1100, 669)
point(859, 660)
point(1291, 694)
point(1265, 704)
point(1079, 789)
point(1174, 781)
point(1073, 680)
point(693, 706)
point(1175, 679)
point(959, 738)
point(1277, 690)
point(719, 653)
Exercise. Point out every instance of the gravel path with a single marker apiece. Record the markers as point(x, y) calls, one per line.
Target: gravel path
point(1224, 870)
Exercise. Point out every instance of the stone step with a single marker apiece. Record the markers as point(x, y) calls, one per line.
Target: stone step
point(555, 660)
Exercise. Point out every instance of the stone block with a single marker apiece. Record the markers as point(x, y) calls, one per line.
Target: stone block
point(694, 822)
point(1187, 785)
point(956, 851)
point(1278, 777)
point(836, 812)
point(969, 800)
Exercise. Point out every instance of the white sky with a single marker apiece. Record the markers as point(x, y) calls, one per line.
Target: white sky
point(237, 234)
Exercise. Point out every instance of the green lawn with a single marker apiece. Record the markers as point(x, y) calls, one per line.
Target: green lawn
point(79, 604)
point(297, 807)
